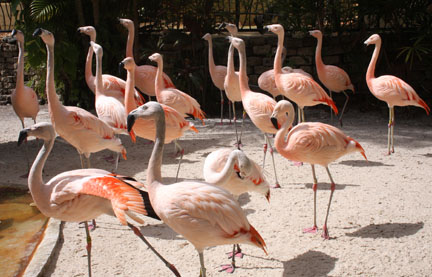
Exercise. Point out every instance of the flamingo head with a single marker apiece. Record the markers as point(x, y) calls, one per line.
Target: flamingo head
point(46, 36)
point(18, 35)
point(243, 166)
point(373, 39)
point(275, 28)
point(128, 64)
point(42, 130)
point(97, 49)
point(237, 43)
point(156, 57)
point(316, 33)
point(231, 28)
point(207, 37)
point(88, 30)
point(150, 110)
point(127, 23)
point(283, 111)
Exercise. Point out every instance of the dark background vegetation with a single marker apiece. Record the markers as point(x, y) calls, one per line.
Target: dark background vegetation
point(176, 27)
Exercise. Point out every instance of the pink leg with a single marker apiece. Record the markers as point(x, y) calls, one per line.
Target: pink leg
point(314, 228)
point(230, 268)
point(222, 104)
point(92, 225)
point(325, 233)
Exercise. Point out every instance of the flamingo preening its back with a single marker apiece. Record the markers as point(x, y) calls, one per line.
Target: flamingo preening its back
point(390, 89)
point(204, 214)
point(333, 78)
point(314, 143)
point(84, 194)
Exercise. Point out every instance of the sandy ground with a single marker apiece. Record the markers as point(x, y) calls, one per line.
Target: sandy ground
point(380, 221)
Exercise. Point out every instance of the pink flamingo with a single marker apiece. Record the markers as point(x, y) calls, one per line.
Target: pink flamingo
point(23, 98)
point(314, 143)
point(266, 81)
point(390, 89)
point(217, 72)
point(145, 74)
point(304, 91)
point(258, 106)
point(176, 125)
point(84, 194)
point(87, 133)
point(113, 86)
point(332, 77)
point(204, 214)
point(175, 98)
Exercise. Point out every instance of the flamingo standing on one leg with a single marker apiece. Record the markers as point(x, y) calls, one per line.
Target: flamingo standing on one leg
point(144, 74)
point(112, 85)
point(258, 106)
point(84, 194)
point(217, 72)
point(333, 78)
point(266, 81)
point(204, 214)
point(304, 91)
point(390, 89)
point(175, 98)
point(24, 100)
point(86, 132)
point(176, 125)
point(314, 143)
point(237, 173)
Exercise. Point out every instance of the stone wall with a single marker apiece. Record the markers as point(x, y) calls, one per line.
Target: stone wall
point(8, 59)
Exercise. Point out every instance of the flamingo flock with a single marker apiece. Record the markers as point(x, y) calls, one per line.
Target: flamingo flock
point(206, 213)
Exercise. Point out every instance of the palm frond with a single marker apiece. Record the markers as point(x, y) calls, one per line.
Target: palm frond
point(45, 10)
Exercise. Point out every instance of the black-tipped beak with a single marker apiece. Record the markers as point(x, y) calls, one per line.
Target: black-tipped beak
point(267, 196)
point(221, 26)
point(37, 32)
point(120, 67)
point(22, 136)
point(274, 122)
point(263, 30)
point(14, 32)
point(130, 121)
point(238, 174)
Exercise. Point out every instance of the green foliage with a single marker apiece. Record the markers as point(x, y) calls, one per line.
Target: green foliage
point(44, 10)
point(418, 50)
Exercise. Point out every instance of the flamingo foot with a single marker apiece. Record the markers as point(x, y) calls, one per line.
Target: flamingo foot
point(109, 159)
point(238, 254)
point(311, 230)
point(148, 142)
point(92, 225)
point(220, 123)
point(325, 233)
point(276, 186)
point(238, 145)
point(298, 163)
point(229, 268)
point(178, 153)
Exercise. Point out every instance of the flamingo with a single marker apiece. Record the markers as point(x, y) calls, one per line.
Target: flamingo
point(232, 170)
point(217, 72)
point(332, 77)
point(266, 81)
point(145, 74)
point(175, 98)
point(258, 106)
point(204, 214)
point(113, 86)
point(303, 90)
point(84, 194)
point(314, 143)
point(390, 89)
point(83, 130)
point(24, 100)
point(176, 125)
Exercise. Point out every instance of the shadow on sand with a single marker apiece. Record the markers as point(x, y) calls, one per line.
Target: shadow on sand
point(311, 263)
point(387, 230)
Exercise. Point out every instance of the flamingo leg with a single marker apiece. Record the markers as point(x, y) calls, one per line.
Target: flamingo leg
point(26, 155)
point(392, 129)
point(202, 269)
point(230, 268)
point(222, 104)
point(168, 264)
point(229, 111)
point(325, 233)
point(265, 150)
point(277, 185)
point(314, 228)
point(235, 126)
point(241, 128)
point(82, 161)
point(331, 111)
point(302, 115)
point(298, 115)
point(181, 151)
point(390, 124)
point(116, 162)
point(343, 109)
point(88, 247)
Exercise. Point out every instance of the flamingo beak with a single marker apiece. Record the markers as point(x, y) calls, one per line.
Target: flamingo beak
point(274, 122)
point(14, 32)
point(268, 196)
point(120, 67)
point(22, 136)
point(130, 121)
point(221, 26)
point(239, 175)
point(37, 32)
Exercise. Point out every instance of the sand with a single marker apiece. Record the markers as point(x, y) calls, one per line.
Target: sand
point(380, 219)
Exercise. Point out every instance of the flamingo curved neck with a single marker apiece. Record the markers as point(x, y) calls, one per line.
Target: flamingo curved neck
point(53, 100)
point(130, 104)
point(230, 64)
point(99, 85)
point(159, 83)
point(155, 162)
point(88, 70)
point(243, 79)
point(222, 177)
point(370, 74)
point(277, 65)
point(35, 180)
point(280, 141)
point(130, 41)
point(210, 57)
point(318, 58)
point(20, 67)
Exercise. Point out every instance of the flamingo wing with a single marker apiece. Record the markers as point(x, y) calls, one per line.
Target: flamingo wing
point(112, 112)
point(81, 119)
